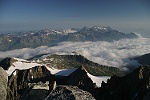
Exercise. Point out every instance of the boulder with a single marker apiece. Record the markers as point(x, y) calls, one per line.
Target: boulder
point(69, 93)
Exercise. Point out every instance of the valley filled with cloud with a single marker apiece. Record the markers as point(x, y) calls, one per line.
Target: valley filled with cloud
point(117, 53)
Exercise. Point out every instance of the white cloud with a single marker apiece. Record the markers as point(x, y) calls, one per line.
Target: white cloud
point(115, 53)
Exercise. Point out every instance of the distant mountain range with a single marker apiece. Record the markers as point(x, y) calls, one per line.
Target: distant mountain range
point(34, 39)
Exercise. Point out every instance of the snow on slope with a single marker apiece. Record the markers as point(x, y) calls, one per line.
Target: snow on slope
point(65, 72)
point(24, 64)
point(66, 31)
point(21, 64)
point(98, 80)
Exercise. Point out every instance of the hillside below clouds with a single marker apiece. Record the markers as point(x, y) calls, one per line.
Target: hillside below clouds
point(144, 59)
point(74, 61)
point(33, 39)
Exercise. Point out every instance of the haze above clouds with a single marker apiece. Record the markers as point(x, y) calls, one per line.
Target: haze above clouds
point(27, 15)
point(117, 53)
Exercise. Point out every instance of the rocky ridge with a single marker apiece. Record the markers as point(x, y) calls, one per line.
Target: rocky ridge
point(19, 79)
point(74, 61)
point(144, 59)
point(134, 86)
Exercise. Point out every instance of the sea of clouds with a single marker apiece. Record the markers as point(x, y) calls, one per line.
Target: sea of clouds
point(117, 53)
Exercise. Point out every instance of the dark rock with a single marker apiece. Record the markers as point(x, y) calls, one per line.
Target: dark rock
point(37, 91)
point(6, 63)
point(69, 93)
point(144, 59)
point(80, 79)
point(18, 83)
point(134, 86)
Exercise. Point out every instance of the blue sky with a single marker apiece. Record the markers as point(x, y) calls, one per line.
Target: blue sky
point(124, 15)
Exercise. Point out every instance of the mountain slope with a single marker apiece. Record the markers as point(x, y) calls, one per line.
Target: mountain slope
point(144, 59)
point(74, 61)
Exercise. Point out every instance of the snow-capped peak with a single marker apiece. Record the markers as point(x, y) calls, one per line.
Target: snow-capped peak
point(101, 27)
point(138, 34)
point(70, 30)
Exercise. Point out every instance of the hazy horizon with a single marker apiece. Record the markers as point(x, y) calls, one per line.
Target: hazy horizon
point(27, 15)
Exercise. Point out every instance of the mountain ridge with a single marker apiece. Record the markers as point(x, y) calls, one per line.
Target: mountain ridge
point(143, 59)
point(74, 61)
point(60, 62)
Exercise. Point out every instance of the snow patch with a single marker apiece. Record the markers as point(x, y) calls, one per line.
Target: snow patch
point(138, 34)
point(66, 31)
point(61, 72)
point(21, 64)
point(98, 79)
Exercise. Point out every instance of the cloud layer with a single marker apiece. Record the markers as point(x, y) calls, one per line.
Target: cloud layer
point(117, 53)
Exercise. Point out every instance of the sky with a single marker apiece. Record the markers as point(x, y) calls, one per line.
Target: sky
point(123, 15)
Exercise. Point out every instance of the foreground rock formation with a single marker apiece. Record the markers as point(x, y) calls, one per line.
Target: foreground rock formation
point(37, 82)
point(3, 84)
point(80, 79)
point(19, 80)
point(134, 86)
point(69, 93)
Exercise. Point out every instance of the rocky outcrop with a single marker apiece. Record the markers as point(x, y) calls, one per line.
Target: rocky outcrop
point(74, 61)
point(134, 86)
point(69, 93)
point(7, 62)
point(36, 91)
point(19, 79)
point(3, 84)
point(80, 79)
